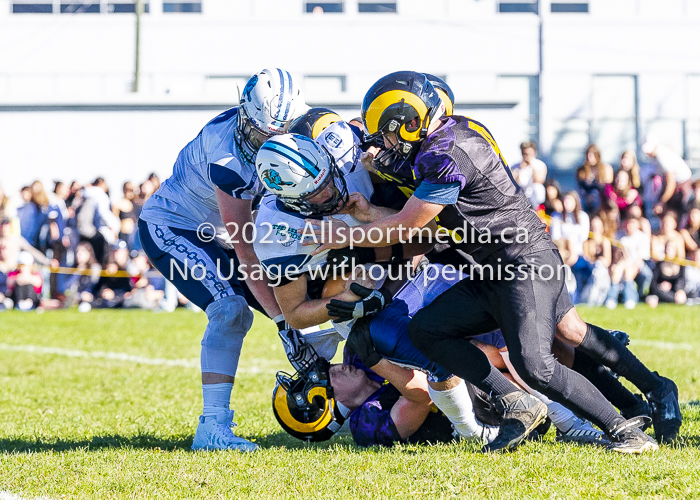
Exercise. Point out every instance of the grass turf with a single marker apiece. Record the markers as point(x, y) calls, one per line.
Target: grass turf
point(94, 427)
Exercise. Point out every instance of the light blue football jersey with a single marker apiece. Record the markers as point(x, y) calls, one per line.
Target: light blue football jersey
point(188, 197)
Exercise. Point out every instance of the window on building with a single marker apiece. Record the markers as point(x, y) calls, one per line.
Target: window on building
point(125, 8)
point(377, 7)
point(326, 85)
point(182, 7)
point(570, 7)
point(80, 8)
point(614, 106)
point(511, 7)
point(31, 7)
point(323, 7)
point(692, 125)
point(228, 86)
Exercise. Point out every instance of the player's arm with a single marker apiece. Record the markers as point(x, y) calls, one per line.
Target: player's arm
point(411, 410)
point(300, 312)
point(387, 231)
point(237, 216)
point(360, 208)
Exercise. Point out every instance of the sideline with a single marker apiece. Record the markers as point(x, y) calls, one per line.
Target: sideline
point(122, 356)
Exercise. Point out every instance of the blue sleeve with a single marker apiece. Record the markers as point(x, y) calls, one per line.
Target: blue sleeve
point(229, 181)
point(440, 194)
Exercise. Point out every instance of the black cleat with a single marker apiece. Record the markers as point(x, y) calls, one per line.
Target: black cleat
point(641, 409)
point(522, 413)
point(628, 437)
point(665, 410)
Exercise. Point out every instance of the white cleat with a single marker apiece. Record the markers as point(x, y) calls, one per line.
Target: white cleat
point(583, 432)
point(214, 433)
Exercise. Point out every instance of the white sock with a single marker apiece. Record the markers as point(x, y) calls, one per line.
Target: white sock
point(216, 398)
point(457, 406)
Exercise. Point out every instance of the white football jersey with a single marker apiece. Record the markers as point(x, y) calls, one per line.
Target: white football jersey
point(280, 231)
point(188, 197)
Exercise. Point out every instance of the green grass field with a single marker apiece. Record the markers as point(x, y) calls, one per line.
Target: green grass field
point(80, 422)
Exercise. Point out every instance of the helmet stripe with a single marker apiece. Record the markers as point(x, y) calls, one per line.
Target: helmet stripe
point(383, 101)
point(280, 403)
point(282, 94)
point(290, 91)
point(291, 155)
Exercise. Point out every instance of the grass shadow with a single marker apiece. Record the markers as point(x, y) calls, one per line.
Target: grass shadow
point(138, 441)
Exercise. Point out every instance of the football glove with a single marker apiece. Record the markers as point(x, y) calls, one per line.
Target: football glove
point(371, 301)
point(299, 353)
point(360, 341)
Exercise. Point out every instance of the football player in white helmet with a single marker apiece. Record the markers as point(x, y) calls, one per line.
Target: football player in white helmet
point(184, 225)
point(307, 180)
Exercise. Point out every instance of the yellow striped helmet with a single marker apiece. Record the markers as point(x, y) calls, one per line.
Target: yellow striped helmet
point(313, 122)
point(304, 404)
point(444, 91)
point(403, 103)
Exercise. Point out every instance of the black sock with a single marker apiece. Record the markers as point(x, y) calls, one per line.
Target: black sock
point(604, 348)
point(496, 384)
point(574, 391)
point(604, 381)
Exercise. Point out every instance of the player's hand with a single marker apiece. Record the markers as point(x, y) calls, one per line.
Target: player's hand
point(359, 207)
point(360, 341)
point(371, 301)
point(295, 347)
point(367, 158)
point(330, 234)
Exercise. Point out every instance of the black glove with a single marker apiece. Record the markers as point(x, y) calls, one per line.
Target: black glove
point(360, 341)
point(371, 301)
point(621, 336)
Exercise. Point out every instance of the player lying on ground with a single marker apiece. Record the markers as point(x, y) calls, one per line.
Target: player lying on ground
point(297, 274)
point(466, 183)
point(182, 225)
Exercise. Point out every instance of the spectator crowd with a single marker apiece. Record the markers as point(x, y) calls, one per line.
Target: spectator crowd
point(629, 234)
point(76, 246)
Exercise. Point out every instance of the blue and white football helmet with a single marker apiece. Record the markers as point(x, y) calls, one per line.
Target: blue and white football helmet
point(302, 174)
point(270, 101)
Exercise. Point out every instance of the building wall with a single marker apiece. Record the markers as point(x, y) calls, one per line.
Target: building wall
point(625, 68)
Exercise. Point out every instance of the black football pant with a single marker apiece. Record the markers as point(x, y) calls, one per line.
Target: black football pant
point(525, 309)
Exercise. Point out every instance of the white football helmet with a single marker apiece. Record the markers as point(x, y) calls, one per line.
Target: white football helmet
point(342, 144)
point(302, 174)
point(270, 101)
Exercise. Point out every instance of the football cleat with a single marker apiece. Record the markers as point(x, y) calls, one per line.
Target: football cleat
point(629, 438)
point(522, 413)
point(665, 410)
point(583, 432)
point(214, 433)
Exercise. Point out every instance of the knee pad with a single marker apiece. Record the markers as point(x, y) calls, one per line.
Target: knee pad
point(229, 322)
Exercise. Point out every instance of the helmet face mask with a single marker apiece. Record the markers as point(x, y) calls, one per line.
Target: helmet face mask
point(403, 104)
point(250, 135)
point(302, 174)
point(334, 200)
